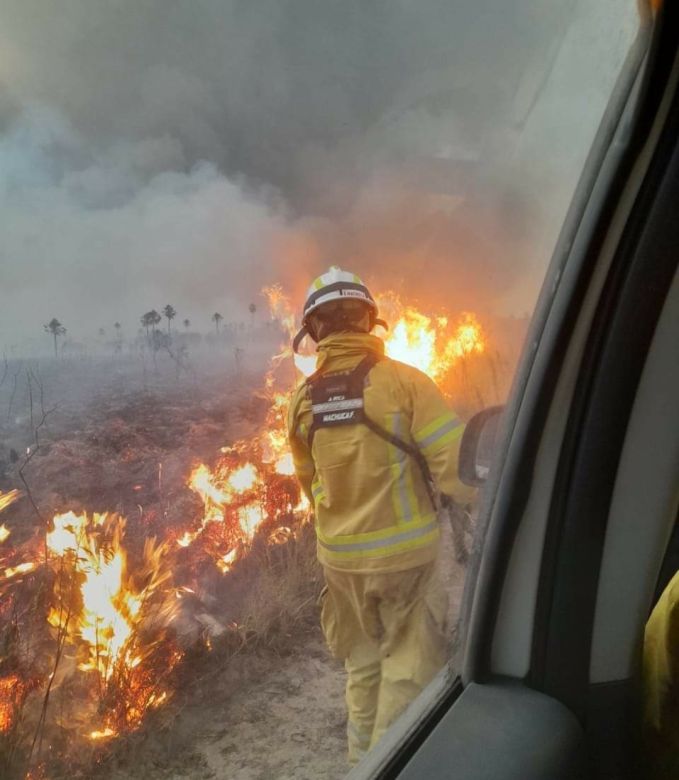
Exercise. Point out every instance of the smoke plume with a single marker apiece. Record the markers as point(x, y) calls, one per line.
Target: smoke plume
point(189, 153)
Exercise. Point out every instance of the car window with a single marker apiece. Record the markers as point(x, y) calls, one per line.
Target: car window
point(220, 556)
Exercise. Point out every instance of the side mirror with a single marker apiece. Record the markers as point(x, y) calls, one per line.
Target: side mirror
point(478, 445)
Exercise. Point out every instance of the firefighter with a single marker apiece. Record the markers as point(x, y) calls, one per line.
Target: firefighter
point(370, 436)
point(661, 685)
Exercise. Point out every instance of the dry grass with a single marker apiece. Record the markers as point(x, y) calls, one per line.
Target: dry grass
point(281, 602)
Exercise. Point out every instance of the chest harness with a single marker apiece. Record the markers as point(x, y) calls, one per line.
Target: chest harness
point(337, 398)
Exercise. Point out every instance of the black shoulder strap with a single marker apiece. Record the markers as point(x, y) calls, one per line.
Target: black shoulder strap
point(409, 449)
point(356, 380)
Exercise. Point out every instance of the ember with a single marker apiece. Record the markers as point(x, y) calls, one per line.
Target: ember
point(11, 693)
point(103, 734)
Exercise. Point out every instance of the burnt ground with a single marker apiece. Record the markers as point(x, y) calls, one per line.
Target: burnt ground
point(259, 716)
point(123, 439)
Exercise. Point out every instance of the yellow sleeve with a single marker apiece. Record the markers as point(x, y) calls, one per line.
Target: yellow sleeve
point(297, 437)
point(437, 431)
point(661, 663)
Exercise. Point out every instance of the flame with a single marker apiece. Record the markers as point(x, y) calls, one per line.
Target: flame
point(281, 535)
point(468, 337)
point(427, 342)
point(280, 307)
point(108, 613)
point(69, 532)
point(186, 538)
point(7, 499)
point(239, 492)
point(244, 478)
point(156, 700)
point(202, 482)
point(282, 311)
point(103, 734)
point(250, 518)
point(424, 341)
point(12, 689)
point(103, 592)
point(226, 561)
point(102, 615)
point(285, 465)
point(413, 341)
point(101, 623)
point(22, 568)
point(249, 485)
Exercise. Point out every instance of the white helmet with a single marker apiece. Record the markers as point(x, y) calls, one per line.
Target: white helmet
point(335, 284)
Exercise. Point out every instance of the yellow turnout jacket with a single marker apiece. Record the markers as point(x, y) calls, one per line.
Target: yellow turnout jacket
point(661, 684)
point(372, 509)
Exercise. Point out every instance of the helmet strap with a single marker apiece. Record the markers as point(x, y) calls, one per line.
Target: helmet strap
point(299, 338)
point(336, 324)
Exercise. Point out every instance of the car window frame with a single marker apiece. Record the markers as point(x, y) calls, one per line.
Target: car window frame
point(609, 160)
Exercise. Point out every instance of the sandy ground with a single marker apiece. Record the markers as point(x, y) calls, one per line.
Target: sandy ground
point(283, 718)
point(263, 716)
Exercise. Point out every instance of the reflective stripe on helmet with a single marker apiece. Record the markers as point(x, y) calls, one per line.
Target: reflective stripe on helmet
point(333, 285)
point(338, 291)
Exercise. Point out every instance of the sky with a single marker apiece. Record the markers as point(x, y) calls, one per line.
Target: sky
point(191, 153)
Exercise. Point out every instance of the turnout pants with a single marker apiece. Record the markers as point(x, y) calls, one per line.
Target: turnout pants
point(389, 629)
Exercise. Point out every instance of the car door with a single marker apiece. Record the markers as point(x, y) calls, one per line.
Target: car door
point(582, 494)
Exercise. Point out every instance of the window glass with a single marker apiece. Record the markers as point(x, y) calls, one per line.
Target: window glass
point(203, 571)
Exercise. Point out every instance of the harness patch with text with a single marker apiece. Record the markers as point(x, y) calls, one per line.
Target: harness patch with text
point(337, 400)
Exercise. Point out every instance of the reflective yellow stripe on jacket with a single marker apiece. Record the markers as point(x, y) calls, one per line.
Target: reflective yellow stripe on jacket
point(317, 492)
point(371, 503)
point(380, 544)
point(439, 433)
point(403, 492)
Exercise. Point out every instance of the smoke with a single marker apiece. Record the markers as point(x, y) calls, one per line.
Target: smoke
point(156, 153)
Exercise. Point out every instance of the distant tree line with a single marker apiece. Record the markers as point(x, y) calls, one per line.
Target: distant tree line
point(150, 321)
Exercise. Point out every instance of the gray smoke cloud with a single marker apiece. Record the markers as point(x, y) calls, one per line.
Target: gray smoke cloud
point(155, 152)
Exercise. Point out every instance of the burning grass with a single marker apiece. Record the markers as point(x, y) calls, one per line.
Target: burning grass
point(107, 616)
point(104, 614)
point(117, 632)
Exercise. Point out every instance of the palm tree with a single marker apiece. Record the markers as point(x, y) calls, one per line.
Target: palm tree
point(170, 313)
point(217, 318)
point(150, 320)
point(56, 329)
point(118, 344)
point(187, 324)
point(145, 320)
